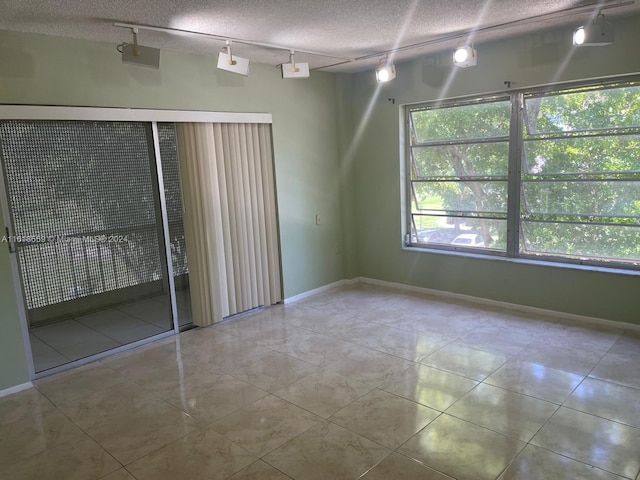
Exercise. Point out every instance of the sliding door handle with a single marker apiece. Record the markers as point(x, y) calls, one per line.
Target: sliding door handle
point(9, 239)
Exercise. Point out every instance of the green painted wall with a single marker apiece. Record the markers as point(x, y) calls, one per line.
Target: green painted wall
point(528, 60)
point(347, 148)
point(13, 370)
point(338, 153)
point(47, 70)
point(37, 69)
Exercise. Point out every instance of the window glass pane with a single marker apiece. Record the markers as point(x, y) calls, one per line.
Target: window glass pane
point(466, 196)
point(618, 199)
point(173, 196)
point(461, 160)
point(582, 241)
point(460, 232)
point(583, 155)
point(583, 110)
point(579, 183)
point(483, 120)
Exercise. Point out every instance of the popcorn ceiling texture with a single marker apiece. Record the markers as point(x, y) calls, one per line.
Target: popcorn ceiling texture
point(347, 28)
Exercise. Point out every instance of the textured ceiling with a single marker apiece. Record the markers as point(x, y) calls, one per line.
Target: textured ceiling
point(347, 28)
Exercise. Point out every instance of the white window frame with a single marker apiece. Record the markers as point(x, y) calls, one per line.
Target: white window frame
point(516, 154)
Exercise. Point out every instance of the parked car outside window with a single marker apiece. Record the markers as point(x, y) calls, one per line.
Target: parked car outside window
point(440, 235)
point(468, 239)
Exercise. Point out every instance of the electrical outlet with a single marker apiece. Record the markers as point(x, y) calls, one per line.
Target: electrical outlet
point(318, 220)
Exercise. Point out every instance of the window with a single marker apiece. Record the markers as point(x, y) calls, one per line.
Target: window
point(551, 175)
point(459, 172)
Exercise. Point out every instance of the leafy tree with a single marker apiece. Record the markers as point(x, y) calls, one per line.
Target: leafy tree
point(580, 169)
point(467, 176)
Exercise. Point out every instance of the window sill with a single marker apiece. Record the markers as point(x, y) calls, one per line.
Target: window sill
point(522, 261)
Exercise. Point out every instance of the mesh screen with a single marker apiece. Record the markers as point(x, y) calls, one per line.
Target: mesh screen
point(83, 206)
point(173, 196)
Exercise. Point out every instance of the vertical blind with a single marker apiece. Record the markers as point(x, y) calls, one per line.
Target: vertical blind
point(230, 220)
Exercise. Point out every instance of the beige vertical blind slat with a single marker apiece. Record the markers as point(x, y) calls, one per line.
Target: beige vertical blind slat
point(230, 218)
point(226, 214)
point(199, 297)
point(221, 146)
point(235, 248)
point(258, 219)
point(252, 209)
point(239, 166)
point(271, 221)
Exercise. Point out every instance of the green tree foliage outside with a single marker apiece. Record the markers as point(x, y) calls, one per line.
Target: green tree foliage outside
point(470, 178)
point(580, 180)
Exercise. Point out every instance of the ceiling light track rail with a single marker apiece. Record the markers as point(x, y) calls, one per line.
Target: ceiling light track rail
point(222, 38)
point(584, 8)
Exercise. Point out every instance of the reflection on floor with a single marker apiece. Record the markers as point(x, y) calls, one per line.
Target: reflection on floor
point(358, 383)
point(59, 343)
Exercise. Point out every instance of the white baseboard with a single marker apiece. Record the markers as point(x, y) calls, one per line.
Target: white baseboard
point(15, 389)
point(510, 306)
point(470, 299)
point(318, 290)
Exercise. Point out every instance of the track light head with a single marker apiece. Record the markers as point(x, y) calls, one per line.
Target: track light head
point(232, 63)
point(386, 71)
point(139, 55)
point(597, 34)
point(465, 56)
point(293, 69)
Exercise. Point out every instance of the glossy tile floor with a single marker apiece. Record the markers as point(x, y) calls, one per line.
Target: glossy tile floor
point(358, 383)
point(79, 337)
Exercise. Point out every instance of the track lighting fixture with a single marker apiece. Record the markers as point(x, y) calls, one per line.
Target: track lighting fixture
point(386, 71)
point(596, 34)
point(139, 55)
point(465, 56)
point(232, 63)
point(293, 69)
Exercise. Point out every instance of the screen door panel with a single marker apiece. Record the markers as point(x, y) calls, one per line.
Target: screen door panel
point(85, 214)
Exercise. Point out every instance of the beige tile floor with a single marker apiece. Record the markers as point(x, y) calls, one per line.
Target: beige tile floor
point(81, 336)
point(357, 383)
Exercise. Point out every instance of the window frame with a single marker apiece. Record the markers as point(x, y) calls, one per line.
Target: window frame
point(515, 177)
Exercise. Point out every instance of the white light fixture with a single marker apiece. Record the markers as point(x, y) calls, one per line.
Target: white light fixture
point(597, 34)
point(139, 55)
point(293, 69)
point(386, 71)
point(234, 64)
point(465, 56)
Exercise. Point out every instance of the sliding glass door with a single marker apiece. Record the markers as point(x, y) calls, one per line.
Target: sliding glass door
point(175, 209)
point(87, 232)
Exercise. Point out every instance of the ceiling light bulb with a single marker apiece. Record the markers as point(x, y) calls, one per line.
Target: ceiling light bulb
point(386, 71)
point(465, 56)
point(596, 34)
point(383, 75)
point(460, 55)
